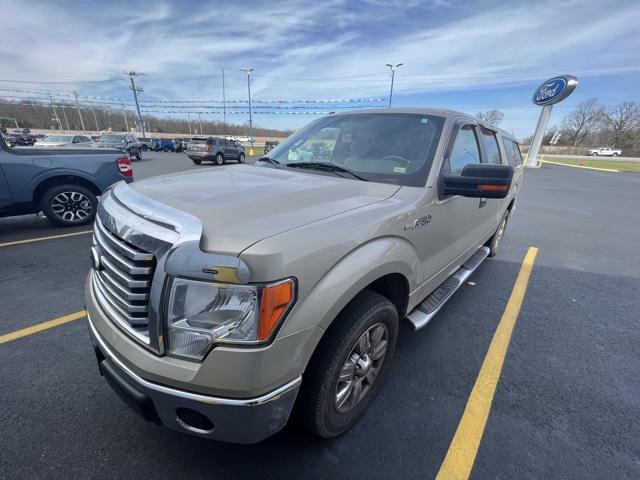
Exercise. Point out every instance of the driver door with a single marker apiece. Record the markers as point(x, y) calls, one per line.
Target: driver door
point(459, 223)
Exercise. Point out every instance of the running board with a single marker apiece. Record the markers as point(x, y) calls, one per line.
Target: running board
point(423, 313)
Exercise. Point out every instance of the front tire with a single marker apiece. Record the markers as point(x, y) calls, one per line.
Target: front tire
point(165, 149)
point(69, 205)
point(139, 155)
point(241, 158)
point(614, 155)
point(346, 369)
point(196, 162)
point(219, 159)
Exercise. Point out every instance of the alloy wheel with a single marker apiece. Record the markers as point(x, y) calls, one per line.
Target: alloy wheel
point(71, 206)
point(361, 368)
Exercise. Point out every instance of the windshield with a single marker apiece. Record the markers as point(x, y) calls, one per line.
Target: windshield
point(112, 138)
point(383, 147)
point(58, 138)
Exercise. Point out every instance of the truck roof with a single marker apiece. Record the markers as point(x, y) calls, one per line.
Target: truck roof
point(438, 112)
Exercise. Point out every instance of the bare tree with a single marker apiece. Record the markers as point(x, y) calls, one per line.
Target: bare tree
point(494, 117)
point(585, 120)
point(622, 119)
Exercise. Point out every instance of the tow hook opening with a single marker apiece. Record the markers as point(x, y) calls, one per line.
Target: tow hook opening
point(194, 421)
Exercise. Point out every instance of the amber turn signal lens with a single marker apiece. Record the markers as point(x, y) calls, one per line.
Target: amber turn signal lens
point(493, 188)
point(273, 305)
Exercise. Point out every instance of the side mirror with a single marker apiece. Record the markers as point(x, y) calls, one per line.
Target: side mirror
point(480, 180)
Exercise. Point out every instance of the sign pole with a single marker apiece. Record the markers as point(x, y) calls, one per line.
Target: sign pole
point(546, 95)
point(536, 142)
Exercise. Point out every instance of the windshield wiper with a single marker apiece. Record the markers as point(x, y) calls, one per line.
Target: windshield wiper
point(270, 160)
point(326, 166)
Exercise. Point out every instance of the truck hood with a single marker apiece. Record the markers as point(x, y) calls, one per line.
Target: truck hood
point(240, 205)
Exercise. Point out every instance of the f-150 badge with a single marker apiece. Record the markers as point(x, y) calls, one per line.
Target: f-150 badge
point(419, 223)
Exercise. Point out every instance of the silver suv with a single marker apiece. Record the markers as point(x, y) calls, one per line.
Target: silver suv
point(216, 150)
point(221, 301)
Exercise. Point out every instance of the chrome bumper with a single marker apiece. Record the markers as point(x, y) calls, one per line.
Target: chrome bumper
point(226, 419)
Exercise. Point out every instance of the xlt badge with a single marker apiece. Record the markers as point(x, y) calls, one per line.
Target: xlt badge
point(419, 223)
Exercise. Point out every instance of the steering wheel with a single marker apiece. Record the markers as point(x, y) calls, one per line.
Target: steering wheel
point(397, 159)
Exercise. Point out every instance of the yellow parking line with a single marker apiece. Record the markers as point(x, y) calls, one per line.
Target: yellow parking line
point(599, 169)
point(41, 326)
point(40, 239)
point(464, 446)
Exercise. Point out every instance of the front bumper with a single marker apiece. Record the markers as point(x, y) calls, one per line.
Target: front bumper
point(227, 419)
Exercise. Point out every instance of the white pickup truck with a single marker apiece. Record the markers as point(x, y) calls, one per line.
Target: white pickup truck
point(603, 152)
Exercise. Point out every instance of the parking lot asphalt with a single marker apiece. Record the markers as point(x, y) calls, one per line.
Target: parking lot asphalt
point(567, 404)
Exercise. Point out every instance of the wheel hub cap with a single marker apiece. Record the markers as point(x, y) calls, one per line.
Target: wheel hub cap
point(361, 367)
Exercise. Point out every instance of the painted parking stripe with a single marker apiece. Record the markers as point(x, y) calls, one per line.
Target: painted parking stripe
point(40, 239)
point(466, 441)
point(41, 326)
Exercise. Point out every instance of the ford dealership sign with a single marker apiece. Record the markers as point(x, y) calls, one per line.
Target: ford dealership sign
point(555, 90)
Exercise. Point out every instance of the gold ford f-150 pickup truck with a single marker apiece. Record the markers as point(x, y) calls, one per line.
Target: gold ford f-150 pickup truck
point(221, 302)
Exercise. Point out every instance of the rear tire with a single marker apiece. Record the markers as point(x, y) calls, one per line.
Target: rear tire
point(144, 148)
point(219, 159)
point(69, 205)
point(165, 149)
point(197, 162)
point(345, 371)
point(494, 242)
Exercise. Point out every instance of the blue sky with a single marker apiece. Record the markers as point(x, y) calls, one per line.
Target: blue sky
point(466, 55)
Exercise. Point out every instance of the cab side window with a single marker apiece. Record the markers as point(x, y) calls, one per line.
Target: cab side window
point(465, 150)
point(491, 149)
point(513, 152)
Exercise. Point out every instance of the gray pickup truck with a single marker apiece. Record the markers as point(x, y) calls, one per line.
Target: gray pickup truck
point(62, 183)
point(219, 302)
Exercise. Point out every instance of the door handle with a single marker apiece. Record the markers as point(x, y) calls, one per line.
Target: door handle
point(483, 202)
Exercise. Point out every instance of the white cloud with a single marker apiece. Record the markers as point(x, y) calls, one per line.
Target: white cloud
point(444, 46)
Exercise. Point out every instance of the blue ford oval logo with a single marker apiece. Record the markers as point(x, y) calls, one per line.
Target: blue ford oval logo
point(555, 90)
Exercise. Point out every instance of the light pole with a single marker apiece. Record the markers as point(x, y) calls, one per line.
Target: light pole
point(124, 114)
point(55, 114)
point(224, 105)
point(393, 67)
point(64, 114)
point(200, 121)
point(79, 112)
point(248, 71)
point(94, 116)
point(135, 91)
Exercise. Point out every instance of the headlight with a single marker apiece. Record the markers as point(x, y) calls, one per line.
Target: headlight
point(201, 314)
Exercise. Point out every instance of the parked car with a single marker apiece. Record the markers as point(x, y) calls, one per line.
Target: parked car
point(22, 137)
point(123, 141)
point(181, 144)
point(216, 150)
point(64, 141)
point(62, 183)
point(258, 287)
point(146, 143)
point(604, 152)
point(270, 145)
point(164, 144)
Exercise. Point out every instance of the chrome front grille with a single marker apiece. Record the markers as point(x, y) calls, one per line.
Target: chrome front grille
point(122, 275)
